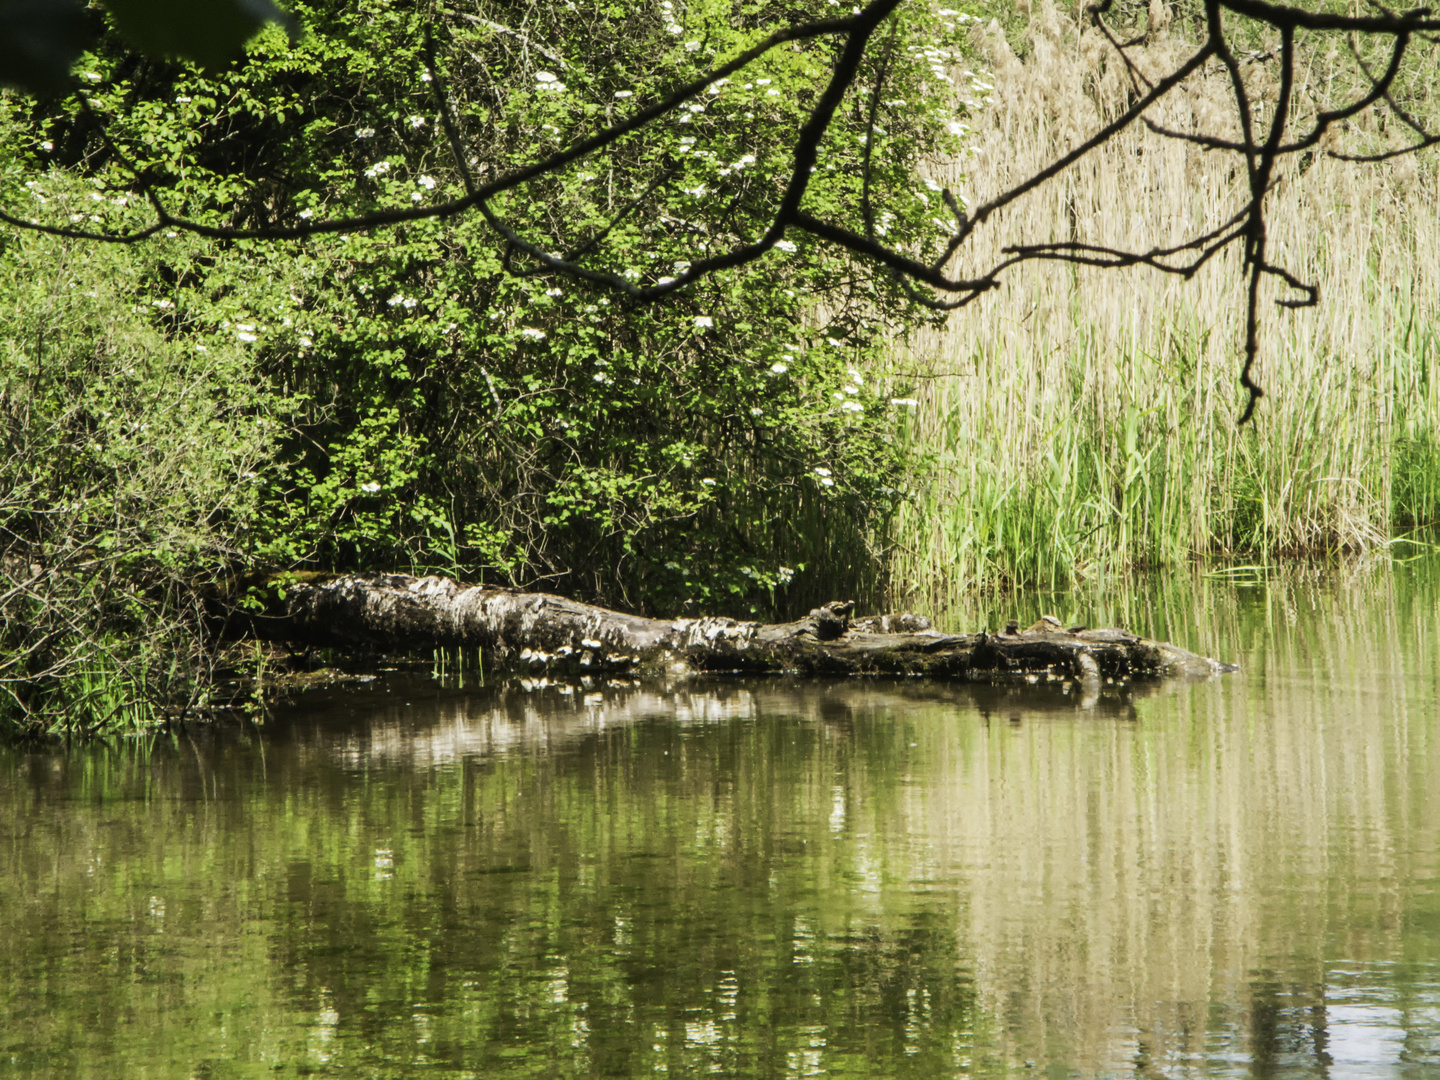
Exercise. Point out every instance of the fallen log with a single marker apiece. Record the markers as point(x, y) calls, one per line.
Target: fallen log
point(541, 633)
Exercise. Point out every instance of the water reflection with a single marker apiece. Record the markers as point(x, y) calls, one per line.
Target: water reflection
point(1236, 878)
point(415, 721)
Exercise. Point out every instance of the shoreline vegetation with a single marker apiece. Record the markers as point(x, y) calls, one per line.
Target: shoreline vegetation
point(1081, 422)
point(182, 415)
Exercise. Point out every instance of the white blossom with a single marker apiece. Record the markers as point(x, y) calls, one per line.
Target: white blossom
point(704, 322)
point(624, 93)
point(785, 245)
point(908, 402)
point(778, 368)
point(532, 333)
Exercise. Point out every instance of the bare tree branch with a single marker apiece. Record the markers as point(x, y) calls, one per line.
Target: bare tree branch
point(853, 35)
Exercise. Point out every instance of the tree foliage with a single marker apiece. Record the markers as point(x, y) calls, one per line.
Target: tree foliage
point(429, 398)
point(456, 344)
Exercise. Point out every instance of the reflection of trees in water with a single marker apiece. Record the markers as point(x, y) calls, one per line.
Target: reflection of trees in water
point(420, 725)
point(674, 894)
point(751, 873)
point(734, 892)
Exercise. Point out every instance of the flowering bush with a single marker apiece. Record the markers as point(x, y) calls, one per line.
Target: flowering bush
point(449, 407)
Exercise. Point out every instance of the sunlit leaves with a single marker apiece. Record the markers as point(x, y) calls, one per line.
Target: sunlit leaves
point(451, 408)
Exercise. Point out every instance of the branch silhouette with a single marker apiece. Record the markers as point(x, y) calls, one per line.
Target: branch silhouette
point(1260, 146)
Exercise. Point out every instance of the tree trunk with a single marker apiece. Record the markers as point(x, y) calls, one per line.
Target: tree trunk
point(540, 633)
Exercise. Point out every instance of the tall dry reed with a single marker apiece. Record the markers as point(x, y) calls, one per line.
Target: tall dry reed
point(1084, 420)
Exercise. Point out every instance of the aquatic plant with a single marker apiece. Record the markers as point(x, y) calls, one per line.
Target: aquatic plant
point(1083, 420)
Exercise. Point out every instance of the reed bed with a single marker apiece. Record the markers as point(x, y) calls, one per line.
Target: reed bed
point(1082, 421)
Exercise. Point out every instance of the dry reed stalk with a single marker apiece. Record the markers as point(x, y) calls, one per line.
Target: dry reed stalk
point(1084, 419)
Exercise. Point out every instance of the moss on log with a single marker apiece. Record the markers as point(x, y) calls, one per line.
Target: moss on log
point(541, 633)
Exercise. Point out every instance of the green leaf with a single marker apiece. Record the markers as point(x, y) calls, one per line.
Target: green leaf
point(211, 33)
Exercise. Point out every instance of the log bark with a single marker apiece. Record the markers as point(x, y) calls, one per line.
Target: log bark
point(540, 633)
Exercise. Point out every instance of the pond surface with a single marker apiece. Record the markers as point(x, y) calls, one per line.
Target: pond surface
point(742, 878)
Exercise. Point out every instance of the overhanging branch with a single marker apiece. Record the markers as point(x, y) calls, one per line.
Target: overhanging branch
point(854, 35)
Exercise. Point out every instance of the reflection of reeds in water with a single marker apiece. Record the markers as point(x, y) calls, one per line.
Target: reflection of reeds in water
point(1084, 419)
point(1136, 889)
point(872, 877)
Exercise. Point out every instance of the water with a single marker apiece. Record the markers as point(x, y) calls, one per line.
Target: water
point(767, 878)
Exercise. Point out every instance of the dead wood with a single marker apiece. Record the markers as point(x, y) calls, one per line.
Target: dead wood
point(539, 632)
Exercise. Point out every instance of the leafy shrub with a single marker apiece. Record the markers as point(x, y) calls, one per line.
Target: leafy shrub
point(425, 400)
point(127, 463)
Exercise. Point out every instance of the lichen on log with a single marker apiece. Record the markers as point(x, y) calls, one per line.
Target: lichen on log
point(542, 633)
